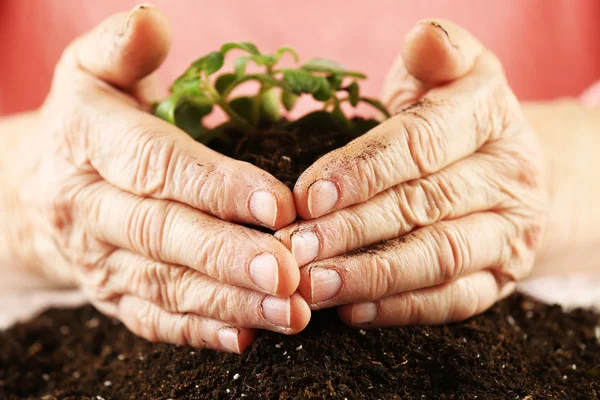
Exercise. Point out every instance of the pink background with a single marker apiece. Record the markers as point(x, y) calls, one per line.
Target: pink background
point(549, 48)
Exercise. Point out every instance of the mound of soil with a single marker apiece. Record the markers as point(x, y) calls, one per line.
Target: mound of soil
point(519, 349)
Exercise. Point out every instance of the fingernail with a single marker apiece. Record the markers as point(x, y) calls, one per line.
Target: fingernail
point(438, 26)
point(363, 313)
point(264, 272)
point(263, 207)
point(276, 311)
point(228, 338)
point(322, 197)
point(305, 247)
point(325, 283)
point(134, 10)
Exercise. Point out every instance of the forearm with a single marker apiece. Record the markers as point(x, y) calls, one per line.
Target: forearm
point(570, 138)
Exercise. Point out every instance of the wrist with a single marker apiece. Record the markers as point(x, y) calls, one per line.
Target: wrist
point(20, 259)
point(569, 133)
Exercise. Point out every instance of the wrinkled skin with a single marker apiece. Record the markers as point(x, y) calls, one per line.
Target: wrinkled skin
point(141, 217)
point(148, 222)
point(452, 182)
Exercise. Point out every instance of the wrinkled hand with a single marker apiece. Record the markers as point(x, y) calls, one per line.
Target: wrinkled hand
point(452, 183)
point(135, 212)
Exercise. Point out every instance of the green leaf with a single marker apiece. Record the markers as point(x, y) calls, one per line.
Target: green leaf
point(166, 108)
point(240, 66)
point(288, 99)
point(188, 117)
point(301, 81)
point(332, 67)
point(324, 93)
point(243, 106)
point(265, 59)
point(265, 78)
point(210, 63)
point(245, 46)
point(269, 106)
point(224, 81)
point(353, 93)
point(281, 51)
point(377, 104)
point(335, 81)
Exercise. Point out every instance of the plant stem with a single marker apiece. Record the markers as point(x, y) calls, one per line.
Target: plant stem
point(218, 99)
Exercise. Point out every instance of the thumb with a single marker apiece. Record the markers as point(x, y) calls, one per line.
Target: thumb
point(123, 49)
point(434, 52)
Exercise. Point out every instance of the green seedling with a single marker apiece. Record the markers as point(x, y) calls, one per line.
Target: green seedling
point(195, 93)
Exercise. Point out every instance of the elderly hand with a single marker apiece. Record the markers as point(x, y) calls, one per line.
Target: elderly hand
point(145, 220)
point(451, 184)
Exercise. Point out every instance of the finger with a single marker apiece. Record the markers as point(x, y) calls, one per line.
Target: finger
point(454, 301)
point(147, 156)
point(140, 153)
point(121, 50)
point(175, 233)
point(449, 123)
point(424, 258)
point(179, 289)
point(430, 56)
point(468, 186)
point(436, 51)
point(157, 325)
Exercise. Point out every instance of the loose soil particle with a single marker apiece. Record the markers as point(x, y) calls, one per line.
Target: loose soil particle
point(519, 349)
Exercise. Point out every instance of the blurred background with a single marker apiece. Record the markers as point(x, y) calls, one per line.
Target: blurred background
point(549, 48)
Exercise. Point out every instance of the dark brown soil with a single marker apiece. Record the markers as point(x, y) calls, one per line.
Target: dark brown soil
point(519, 349)
point(289, 151)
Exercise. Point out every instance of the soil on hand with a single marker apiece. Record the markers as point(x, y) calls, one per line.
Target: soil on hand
point(519, 349)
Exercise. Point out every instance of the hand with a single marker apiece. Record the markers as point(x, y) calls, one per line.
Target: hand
point(452, 183)
point(141, 217)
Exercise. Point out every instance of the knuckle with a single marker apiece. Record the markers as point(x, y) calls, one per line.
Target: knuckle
point(212, 184)
point(452, 252)
point(156, 157)
point(426, 148)
point(346, 225)
point(382, 276)
point(464, 300)
point(220, 257)
point(147, 321)
point(149, 222)
point(413, 308)
point(425, 201)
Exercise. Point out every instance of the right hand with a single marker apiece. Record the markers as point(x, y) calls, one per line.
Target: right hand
point(139, 215)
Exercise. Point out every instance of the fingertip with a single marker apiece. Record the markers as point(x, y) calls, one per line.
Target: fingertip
point(245, 338)
point(124, 48)
point(148, 40)
point(289, 274)
point(430, 54)
point(286, 207)
point(300, 200)
point(317, 198)
point(300, 313)
point(284, 236)
point(304, 287)
point(345, 314)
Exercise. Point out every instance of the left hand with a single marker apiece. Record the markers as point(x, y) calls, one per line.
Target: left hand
point(452, 183)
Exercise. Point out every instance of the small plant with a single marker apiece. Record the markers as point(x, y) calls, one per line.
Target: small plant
point(195, 93)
